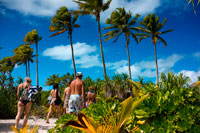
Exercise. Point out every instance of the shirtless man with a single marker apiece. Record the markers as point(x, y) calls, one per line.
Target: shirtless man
point(77, 94)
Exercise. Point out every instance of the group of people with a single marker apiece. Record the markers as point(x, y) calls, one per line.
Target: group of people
point(74, 98)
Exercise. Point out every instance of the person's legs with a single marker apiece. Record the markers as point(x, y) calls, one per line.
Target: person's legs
point(20, 108)
point(50, 111)
point(58, 109)
point(28, 108)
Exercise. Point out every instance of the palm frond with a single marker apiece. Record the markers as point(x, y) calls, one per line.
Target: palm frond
point(60, 32)
point(162, 40)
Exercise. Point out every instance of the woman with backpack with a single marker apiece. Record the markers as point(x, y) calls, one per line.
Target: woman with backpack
point(55, 101)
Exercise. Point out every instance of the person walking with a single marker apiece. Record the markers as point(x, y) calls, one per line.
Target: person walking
point(23, 102)
point(55, 101)
point(77, 94)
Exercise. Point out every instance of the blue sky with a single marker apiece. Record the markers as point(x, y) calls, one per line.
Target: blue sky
point(18, 17)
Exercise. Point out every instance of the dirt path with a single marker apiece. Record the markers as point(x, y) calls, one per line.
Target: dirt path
point(42, 125)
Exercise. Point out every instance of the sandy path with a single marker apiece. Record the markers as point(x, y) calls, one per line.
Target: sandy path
point(42, 125)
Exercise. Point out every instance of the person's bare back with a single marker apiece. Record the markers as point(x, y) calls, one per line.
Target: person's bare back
point(76, 87)
point(77, 94)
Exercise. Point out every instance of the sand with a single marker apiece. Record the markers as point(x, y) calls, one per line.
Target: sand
point(42, 125)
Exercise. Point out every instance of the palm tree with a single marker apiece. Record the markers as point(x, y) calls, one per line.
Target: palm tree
point(32, 37)
point(23, 55)
point(7, 66)
point(120, 23)
point(151, 28)
point(95, 7)
point(64, 20)
point(52, 80)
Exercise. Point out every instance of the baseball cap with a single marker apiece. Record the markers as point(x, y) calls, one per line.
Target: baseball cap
point(79, 74)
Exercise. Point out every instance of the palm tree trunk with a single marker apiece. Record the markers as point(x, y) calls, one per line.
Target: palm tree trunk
point(102, 56)
point(73, 55)
point(26, 70)
point(29, 69)
point(37, 78)
point(129, 66)
point(156, 65)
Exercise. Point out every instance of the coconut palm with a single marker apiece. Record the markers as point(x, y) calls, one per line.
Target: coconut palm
point(151, 29)
point(7, 66)
point(23, 55)
point(95, 7)
point(64, 20)
point(52, 80)
point(32, 37)
point(121, 22)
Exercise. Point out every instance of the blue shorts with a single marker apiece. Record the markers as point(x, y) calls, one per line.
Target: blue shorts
point(75, 103)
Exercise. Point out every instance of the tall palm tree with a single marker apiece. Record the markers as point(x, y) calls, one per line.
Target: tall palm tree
point(151, 29)
point(121, 22)
point(23, 55)
point(95, 7)
point(32, 37)
point(64, 20)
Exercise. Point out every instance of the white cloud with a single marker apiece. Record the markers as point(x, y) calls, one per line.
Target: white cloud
point(85, 55)
point(197, 55)
point(38, 7)
point(192, 74)
point(116, 65)
point(141, 7)
point(49, 7)
point(148, 68)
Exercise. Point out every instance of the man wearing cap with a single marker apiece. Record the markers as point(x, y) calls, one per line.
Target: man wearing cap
point(77, 94)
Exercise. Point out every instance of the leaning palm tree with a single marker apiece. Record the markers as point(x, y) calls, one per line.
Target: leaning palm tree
point(95, 7)
point(64, 20)
point(121, 22)
point(32, 37)
point(23, 55)
point(151, 28)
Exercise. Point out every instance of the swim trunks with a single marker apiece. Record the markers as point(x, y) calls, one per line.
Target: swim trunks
point(75, 103)
point(66, 101)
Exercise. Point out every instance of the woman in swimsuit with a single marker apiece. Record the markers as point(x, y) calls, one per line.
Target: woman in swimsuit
point(23, 102)
point(66, 97)
point(91, 96)
point(53, 103)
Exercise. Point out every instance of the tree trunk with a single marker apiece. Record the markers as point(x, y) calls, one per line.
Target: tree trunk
point(102, 56)
point(37, 78)
point(73, 61)
point(26, 70)
point(129, 66)
point(156, 65)
point(29, 69)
